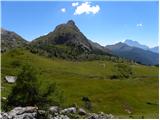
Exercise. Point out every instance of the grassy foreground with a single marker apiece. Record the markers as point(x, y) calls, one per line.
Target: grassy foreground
point(138, 95)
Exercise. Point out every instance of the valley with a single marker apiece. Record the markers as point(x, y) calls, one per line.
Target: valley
point(91, 79)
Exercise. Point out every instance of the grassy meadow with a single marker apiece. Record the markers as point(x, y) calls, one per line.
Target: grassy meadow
point(133, 97)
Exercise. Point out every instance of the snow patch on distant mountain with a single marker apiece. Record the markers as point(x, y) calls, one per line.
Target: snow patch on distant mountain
point(138, 45)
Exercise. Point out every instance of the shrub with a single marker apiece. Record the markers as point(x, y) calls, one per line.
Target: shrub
point(16, 63)
point(121, 71)
point(26, 91)
point(87, 103)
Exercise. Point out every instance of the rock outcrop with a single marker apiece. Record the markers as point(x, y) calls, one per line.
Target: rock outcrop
point(10, 40)
point(21, 113)
point(54, 112)
point(11, 79)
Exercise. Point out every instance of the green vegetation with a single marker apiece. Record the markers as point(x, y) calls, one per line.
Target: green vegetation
point(126, 97)
point(26, 91)
point(121, 71)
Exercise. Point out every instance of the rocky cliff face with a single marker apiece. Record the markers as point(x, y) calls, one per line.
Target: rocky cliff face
point(11, 40)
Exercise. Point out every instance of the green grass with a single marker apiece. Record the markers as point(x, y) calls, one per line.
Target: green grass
point(90, 78)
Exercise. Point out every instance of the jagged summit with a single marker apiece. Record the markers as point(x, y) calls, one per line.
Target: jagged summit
point(69, 26)
point(71, 22)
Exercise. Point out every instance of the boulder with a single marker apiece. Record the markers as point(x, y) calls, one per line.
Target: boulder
point(5, 116)
point(41, 112)
point(54, 109)
point(11, 79)
point(100, 116)
point(61, 117)
point(110, 116)
point(23, 112)
point(81, 111)
point(26, 116)
point(68, 110)
point(4, 98)
point(92, 116)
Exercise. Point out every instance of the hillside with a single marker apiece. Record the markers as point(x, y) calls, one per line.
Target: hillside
point(138, 94)
point(11, 40)
point(66, 41)
point(133, 53)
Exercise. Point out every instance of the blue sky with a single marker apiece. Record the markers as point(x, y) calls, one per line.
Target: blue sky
point(103, 22)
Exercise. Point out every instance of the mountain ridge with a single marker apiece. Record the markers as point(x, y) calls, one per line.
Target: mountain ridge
point(138, 45)
point(133, 53)
point(10, 39)
point(68, 42)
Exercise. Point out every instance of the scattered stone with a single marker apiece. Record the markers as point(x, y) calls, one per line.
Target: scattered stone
point(128, 111)
point(61, 117)
point(10, 79)
point(55, 114)
point(4, 115)
point(4, 98)
point(100, 116)
point(41, 112)
point(26, 116)
point(93, 116)
point(81, 111)
point(68, 110)
point(68, 113)
point(110, 116)
point(50, 116)
point(23, 112)
point(54, 109)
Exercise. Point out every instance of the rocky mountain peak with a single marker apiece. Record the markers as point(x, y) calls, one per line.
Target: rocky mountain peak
point(10, 40)
point(71, 22)
point(68, 41)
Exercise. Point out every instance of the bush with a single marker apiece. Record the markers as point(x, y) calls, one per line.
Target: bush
point(121, 71)
point(87, 103)
point(26, 91)
point(16, 63)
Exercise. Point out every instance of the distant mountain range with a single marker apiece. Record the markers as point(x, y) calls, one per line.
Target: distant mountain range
point(68, 42)
point(155, 49)
point(138, 45)
point(134, 53)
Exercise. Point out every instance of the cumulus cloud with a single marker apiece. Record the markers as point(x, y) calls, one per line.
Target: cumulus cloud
point(75, 4)
point(139, 25)
point(86, 8)
point(63, 10)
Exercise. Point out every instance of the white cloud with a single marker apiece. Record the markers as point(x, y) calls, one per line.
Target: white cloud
point(139, 25)
point(75, 4)
point(86, 8)
point(63, 10)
